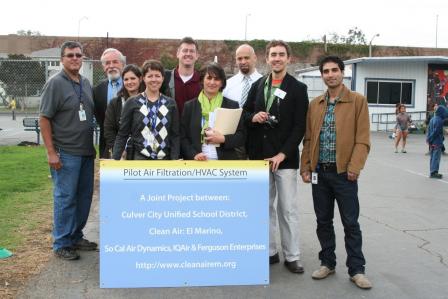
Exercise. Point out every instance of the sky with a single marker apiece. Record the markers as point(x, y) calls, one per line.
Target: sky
point(398, 22)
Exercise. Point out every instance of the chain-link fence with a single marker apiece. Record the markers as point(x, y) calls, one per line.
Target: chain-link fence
point(22, 81)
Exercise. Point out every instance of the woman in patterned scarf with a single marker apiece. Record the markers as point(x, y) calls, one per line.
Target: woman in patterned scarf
point(151, 119)
point(198, 140)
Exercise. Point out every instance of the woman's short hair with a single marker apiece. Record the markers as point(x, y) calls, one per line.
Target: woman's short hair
point(152, 65)
point(214, 70)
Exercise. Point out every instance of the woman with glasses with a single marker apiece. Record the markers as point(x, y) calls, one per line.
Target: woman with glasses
point(132, 85)
point(198, 140)
point(151, 119)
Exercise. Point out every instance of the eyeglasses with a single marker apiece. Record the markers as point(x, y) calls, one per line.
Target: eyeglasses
point(71, 55)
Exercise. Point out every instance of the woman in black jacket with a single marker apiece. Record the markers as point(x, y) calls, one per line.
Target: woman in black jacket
point(132, 85)
point(151, 119)
point(198, 140)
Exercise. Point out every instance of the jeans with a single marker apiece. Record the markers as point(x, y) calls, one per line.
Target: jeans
point(435, 152)
point(331, 186)
point(283, 185)
point(72, 191)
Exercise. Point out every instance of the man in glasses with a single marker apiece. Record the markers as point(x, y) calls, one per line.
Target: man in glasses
point(113, 63)
point(275, 113)
point(66, 121)
point(183, 83)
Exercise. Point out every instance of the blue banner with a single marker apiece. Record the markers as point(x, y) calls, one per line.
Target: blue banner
point(183, 223)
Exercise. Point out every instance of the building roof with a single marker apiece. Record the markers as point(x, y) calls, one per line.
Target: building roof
point(427, 59)
point(47, 53)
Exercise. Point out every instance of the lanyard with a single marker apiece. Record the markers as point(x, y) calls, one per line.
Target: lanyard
point(76, 91)
point(269, 102)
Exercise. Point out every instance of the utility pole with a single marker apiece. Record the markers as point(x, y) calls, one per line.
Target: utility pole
point(370, 44)
point(437, 27)
point(245, 27)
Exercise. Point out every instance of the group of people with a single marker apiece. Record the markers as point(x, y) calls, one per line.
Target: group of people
point(150, 113)
point(434, 138)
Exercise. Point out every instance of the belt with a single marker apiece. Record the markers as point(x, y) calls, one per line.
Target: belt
point(327, 167)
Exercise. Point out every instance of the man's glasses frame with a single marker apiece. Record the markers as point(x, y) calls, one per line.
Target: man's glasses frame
point(72, 55)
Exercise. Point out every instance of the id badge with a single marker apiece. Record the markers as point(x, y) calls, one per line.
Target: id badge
point(314, 178)
point(280, 93)
point(82, 115)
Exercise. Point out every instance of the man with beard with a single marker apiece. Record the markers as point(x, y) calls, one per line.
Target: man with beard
point(275, 114)
point(335, 149)
point(113, 63)
point(238, 86)
point(183, 83)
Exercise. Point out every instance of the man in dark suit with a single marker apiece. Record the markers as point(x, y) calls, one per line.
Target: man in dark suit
point(113, 63)
point(275, 114)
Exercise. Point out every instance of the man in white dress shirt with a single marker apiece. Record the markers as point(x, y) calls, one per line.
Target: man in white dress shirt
point(238, 86)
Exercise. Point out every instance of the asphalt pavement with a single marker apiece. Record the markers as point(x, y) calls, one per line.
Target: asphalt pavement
point(405, 240)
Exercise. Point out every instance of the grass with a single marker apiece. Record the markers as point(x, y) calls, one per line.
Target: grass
point(25, 193)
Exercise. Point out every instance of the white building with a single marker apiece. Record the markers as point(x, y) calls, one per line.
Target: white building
point(416, 81)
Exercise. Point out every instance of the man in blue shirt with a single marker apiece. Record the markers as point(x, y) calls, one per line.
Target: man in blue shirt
point(113, 63)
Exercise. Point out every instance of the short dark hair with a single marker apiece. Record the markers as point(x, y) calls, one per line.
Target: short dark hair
point(215, 70)
point(152, 65)
point(136, 70)
point(189, 41)
point(334, 59)
point(69, 45)
point(275, 43)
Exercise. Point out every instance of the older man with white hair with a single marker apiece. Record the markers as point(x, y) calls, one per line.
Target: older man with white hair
point(113, 63)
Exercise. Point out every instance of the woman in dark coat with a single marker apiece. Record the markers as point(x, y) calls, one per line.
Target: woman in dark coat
point(199, 141)
point(132, 85)
point(151, 119)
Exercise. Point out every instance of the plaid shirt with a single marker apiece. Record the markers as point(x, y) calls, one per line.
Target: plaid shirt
point(327, 137)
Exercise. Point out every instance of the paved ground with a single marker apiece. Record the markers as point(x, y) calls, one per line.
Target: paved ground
point(405, 230)
point(12, 132)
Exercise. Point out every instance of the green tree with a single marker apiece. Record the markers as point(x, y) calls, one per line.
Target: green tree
point(355, 36)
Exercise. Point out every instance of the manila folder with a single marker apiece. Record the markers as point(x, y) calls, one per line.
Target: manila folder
point(226, 120)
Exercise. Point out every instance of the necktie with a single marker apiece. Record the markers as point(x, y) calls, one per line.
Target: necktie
point(245, 90)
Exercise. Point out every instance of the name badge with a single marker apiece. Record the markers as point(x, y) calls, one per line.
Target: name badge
point(280, 93)
point(314, 178)
point(82, 115)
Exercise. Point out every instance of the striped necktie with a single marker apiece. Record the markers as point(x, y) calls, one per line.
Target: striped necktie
point(245, 90)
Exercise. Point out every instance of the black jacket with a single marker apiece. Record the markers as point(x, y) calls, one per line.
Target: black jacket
point(132, 123)
point(264, 141)
point(112, 123)
point(190, 132)
point(100, 101)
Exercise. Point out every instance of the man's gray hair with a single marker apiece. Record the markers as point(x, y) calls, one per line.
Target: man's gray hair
point(120, 55)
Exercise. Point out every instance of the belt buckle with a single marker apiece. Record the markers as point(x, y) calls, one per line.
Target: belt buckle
point(327, 166)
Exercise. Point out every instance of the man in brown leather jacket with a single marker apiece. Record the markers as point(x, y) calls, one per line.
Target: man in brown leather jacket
point(335, 148)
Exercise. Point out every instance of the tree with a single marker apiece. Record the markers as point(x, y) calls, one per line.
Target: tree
point(28, 33)
point(22, 77)
point(355, 36)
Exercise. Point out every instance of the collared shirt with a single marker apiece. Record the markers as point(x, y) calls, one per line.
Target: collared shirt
point(112, 90)
point(60, 103)
point(327, 137)
point(269, 92)
point(234, 86)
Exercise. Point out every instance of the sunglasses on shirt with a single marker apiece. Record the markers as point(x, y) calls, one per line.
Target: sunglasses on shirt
point(71, 55)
